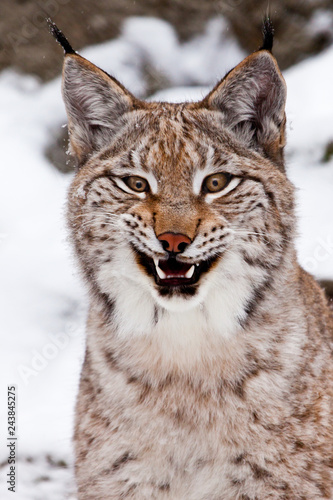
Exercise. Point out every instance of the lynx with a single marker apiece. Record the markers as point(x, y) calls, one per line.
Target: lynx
point(208, 372)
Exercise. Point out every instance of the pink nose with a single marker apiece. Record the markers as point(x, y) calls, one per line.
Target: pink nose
point(174, 242)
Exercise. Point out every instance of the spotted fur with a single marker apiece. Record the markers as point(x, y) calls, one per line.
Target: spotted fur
point(219, 389)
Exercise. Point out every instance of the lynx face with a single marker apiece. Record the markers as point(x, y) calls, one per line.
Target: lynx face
point(177, 202)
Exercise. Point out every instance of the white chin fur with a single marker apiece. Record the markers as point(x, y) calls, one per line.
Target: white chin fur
point(178, 302)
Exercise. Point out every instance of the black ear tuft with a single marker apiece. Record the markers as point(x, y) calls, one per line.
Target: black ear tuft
point(268, 34)
point(59, 36)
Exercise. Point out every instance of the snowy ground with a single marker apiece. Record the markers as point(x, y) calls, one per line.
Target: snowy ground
point(42, 303)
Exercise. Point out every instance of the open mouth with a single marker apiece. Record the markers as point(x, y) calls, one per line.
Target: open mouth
point(173, 273)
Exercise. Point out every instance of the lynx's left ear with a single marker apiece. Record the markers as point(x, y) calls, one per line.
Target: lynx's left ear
point(251, 99)
point(95, 102)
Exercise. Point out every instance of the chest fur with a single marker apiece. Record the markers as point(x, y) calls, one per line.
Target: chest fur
point(187, 439)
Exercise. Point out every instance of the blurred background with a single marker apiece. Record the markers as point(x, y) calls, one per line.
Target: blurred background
point(303, 28)
point(166, 49)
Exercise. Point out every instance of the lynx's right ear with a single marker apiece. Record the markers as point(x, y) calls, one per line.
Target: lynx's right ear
point(95, 102)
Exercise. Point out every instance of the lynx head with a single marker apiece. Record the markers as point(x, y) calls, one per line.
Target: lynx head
point(172, 203)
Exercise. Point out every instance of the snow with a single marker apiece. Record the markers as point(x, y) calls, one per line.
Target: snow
point(310, 128)
point(41, 298)
point(321, 22)
point(151, 45)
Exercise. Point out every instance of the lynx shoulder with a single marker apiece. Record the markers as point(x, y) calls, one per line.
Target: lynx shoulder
point(208, 371)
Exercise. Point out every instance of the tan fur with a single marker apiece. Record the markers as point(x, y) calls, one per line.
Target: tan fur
point(221, 390)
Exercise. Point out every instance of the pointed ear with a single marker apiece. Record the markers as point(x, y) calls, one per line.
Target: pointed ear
point(252, 99)
point(95, 103)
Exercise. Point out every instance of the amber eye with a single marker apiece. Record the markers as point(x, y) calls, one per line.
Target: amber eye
point(137, 184)
point(215, 182)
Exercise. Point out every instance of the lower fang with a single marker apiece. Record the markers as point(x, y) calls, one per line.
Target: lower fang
point(190, 272)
